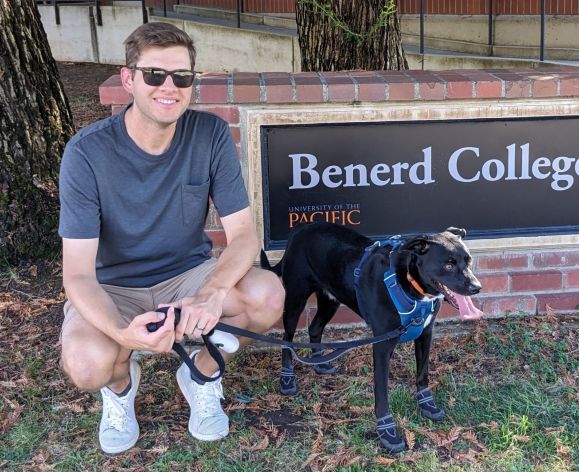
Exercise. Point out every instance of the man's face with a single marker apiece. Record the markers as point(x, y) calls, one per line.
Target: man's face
point(164, 104)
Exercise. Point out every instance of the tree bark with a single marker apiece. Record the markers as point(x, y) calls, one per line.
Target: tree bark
point(35, 124)
point(348, 34)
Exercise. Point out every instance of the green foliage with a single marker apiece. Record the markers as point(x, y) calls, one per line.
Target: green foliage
point(358, 37)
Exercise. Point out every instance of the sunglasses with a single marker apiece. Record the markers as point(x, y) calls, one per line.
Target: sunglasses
point(155, 77)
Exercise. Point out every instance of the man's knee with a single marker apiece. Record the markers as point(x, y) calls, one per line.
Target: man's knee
point(266, 304)
point(272, 295)
point(89, 373)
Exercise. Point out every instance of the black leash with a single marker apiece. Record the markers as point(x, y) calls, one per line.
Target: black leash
point(211, 348)
point(338, 348)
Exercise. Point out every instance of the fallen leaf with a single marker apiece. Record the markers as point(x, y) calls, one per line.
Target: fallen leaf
point(279, 441)
point(410, 439)
point(562, 449)
point(385, 461)
point(310, 458)
point(261, 445)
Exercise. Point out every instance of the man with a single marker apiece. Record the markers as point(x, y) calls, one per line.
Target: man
point(134, 194)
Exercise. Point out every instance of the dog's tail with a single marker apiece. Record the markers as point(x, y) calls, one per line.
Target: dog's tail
point(264, 263)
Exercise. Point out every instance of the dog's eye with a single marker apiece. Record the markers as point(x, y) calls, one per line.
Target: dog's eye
point(449, 266)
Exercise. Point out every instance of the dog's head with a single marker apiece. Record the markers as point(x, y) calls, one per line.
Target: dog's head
point(441, 263)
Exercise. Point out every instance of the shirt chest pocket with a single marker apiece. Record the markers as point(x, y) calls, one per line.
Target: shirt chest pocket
point(195, 201)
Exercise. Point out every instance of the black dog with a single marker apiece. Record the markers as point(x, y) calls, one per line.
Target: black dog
point(340, 265)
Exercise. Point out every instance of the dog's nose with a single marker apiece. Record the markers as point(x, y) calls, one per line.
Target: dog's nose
point(474, 287)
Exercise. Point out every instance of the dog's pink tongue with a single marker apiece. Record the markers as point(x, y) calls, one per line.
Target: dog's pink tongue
point(466, 308)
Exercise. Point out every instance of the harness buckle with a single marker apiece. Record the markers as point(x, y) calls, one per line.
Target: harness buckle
point(419, 321)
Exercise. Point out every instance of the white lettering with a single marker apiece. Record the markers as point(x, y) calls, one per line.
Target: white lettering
point(362, 172)
point(562, 164)
point(425, 166)
point(297, 171)
point(453, 165)
point(511, 162)
point(328, 173)
point(375, 177)
point(487, 171)
point(525, 162)
point(538, 165)
point(465, 165)
point(397, 168)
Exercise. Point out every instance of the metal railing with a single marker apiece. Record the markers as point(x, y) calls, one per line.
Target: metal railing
point(166, 6)
point(95, 3)
point(491, 35)
point(239, 8)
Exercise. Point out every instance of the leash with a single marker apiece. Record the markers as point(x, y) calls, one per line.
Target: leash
point(212, 348)
point(211, 343)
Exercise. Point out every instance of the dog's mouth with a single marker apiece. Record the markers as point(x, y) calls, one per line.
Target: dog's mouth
point(463, 304)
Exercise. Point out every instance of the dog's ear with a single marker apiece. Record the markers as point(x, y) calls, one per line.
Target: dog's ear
point(461, 233)
point(418, 245)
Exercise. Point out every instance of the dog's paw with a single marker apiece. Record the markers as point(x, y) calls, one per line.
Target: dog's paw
point(439, 415)
point(325, 369)
point(427, 406)
point(287, 381)
point(388, 435)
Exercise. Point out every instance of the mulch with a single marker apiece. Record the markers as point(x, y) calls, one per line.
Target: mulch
point(81, 81)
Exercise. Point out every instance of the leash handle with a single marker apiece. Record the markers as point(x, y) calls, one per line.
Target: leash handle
point(212, 341)
point(224, 341)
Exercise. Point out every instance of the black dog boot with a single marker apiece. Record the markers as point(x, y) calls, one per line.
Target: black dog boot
point(427, 407)
point(388, 434)
point(323, 369)
point(287, 381)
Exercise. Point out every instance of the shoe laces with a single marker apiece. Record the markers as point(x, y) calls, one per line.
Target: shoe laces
point(208, 396)
point(116, 411)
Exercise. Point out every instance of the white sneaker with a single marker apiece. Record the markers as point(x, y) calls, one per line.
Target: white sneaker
point(208, 421)
point(119, 430)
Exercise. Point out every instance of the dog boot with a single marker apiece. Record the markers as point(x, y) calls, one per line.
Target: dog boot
point(427, 407)
point(323, 369)
point(287, 381)
point(388, 434)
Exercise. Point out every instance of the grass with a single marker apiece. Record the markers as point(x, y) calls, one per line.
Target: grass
point(510, 390)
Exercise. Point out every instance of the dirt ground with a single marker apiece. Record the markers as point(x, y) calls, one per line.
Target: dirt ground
point(81, 83)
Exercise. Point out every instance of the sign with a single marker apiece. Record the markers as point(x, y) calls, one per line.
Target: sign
point(493, 177)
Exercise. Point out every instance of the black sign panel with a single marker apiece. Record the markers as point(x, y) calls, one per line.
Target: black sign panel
point(496, 177)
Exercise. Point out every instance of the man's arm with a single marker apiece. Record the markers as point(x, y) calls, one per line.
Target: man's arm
point(96, 306)
point(205, 308)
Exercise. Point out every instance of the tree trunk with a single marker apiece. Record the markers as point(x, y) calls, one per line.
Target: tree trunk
point(349, 34)
point(35, 124)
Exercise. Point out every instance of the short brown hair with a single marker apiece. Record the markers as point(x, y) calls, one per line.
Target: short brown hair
point(156, 34)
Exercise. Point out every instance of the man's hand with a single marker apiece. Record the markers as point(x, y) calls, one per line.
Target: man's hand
point(137, 337)
point(199, 314)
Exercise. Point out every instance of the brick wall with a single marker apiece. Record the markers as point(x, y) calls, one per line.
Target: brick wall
point(513, 280)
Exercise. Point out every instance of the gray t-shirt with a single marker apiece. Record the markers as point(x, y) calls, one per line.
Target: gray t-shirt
point(148, 211)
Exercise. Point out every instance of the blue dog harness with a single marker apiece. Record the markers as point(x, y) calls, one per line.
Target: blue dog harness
point(414, 314)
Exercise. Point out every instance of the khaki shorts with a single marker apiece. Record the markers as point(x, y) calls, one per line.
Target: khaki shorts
point(132, 302)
